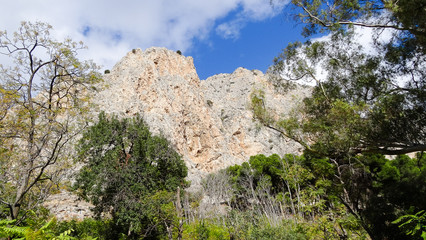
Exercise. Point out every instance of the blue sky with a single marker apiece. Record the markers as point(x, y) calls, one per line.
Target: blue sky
point(255, 48)
point(221, 35)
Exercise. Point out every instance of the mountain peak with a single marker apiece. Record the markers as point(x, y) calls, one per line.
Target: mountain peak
point(209, 122)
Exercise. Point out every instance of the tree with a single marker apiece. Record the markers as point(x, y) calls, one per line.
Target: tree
point(359, 102)
point(364, 102)
point(397, 189)
point(292, 188)
point(130, 174)
point(45, 95)
point(404, 16)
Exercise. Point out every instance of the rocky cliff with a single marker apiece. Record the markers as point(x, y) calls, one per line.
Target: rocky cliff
point(209, 122)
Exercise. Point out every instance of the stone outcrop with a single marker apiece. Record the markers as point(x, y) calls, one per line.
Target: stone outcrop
point(208, 122)
point(67, 206)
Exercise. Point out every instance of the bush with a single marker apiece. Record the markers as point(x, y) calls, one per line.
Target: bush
point(88, 229)
point(206, 230)
point(129, 174)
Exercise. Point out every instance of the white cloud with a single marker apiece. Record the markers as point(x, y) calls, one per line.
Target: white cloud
point(251, 10)
point(230, 30)
point(111, 28)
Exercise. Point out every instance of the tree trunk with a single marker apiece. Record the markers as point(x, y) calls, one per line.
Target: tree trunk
point(179, 215)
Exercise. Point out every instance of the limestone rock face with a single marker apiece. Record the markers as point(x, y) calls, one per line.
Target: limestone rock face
point(208, 122)
point(66, 206)
point(229, 98)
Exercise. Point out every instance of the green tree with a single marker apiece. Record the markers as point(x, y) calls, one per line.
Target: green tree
point(362, 102)
point(404, 16)
point(359, 106)
point(397, 189)
point(130, 174)
point(294, 188)
point(45, 94)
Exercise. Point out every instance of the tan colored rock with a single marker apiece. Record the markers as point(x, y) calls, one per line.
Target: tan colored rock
point(66, 206)
point(208, 122)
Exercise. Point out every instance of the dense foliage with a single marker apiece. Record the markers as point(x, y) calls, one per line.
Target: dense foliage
point(289, 197)
point(369, 99)
point(328, 200)
point(130, 175)
point(293, 188)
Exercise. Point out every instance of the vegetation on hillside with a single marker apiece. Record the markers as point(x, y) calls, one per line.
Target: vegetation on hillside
point(364, 103)
point(353, 180)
